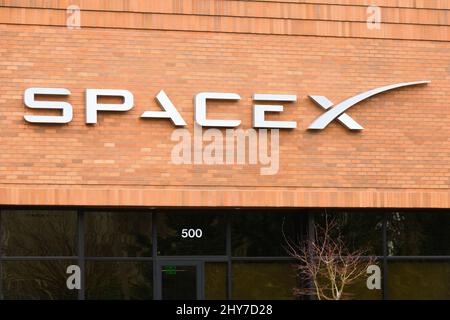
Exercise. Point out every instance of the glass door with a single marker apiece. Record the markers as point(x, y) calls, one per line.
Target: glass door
point(180, 280)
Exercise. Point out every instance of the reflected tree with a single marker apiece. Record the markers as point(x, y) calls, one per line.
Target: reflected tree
point(37, 233)
point(327, 264)
point(418, 233)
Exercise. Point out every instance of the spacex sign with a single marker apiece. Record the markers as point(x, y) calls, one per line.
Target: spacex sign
point(169, 111)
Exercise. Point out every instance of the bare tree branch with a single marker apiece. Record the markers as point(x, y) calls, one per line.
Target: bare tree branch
point(326, 262)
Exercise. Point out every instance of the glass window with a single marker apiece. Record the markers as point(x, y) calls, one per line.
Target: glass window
point(356, 290)
point(263, 280)
point(216, 281)
point(36, 280)
point(119, 280)
point(262, 232)
point(360, 230)
point(359, 291)
point(118, 234)
point(419, 280)
point(418, 233)
point(179, 282)
point(38, 233)
point(191, 232)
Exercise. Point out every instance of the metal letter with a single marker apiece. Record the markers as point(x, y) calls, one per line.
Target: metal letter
point(66, 108)
point(92, 106)
point(200, 109)
point(325, 119)
point(170, 112)
point(259, 111)
point(344, 118)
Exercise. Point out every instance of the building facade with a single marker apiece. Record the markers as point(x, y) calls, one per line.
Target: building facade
point(153, 196)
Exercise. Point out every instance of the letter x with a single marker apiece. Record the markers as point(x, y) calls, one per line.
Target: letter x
point(338, 111)
point(344, 118)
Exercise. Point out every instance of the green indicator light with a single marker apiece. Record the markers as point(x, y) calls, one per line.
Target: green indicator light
point(170, 270)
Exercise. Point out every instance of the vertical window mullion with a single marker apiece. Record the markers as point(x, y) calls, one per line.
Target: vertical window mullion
point(228, 251)
point(311, 235)
point(385, 254)
point(81, 254)
point(155, 253)
point(1, 258)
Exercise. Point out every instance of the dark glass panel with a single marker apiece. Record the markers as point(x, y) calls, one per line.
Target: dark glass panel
point(170, 233)
point(419, 280)
point(216, 281)
point(418, 233)
point(355, 290)
point(359, 290)
point(119, 280)
point(179, 282)
point(263, 280)
point(37, 280)
point(262, 232)
point(38, 232)
point(118, 234)
point(359, 229)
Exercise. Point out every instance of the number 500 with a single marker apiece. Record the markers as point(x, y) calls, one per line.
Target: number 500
point(191, 233)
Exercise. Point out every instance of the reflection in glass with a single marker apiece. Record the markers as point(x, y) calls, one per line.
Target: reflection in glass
point(118, 234)
point(419, 280)
point(418, 233)
point(359, 290)
point(263, 280)
point(259, 233)
point(36, 280)
point(359, 230)
point(38, 232)
point(216, 281)
point(170, 233)
point(119, 280)
point(179, 282)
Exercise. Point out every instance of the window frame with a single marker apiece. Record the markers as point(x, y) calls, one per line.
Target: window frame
point(228, 258)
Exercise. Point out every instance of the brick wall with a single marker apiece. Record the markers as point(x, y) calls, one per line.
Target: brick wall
point(400, 159)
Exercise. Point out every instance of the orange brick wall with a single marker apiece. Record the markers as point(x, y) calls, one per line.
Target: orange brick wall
point(401, 159)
